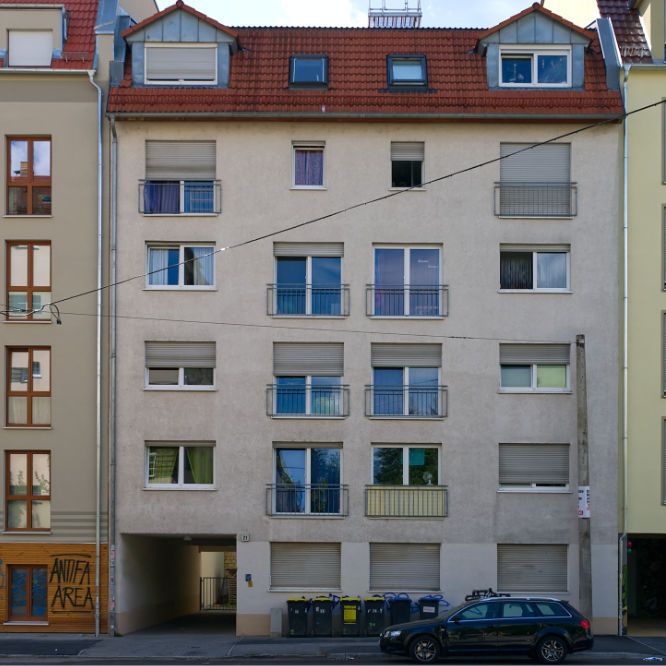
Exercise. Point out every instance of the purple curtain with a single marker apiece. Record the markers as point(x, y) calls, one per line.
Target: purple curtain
point(161, 197)
point(309, 167)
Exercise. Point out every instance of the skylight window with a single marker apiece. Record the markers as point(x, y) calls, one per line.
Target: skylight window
point(308, 70)
point(535, 68)
point(407, 71)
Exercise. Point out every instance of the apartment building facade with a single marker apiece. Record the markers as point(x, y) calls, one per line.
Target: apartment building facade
point(53, 552)
point(384, 399)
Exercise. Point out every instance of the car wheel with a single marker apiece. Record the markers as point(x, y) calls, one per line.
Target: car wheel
point(424, 650)
point(551, 650)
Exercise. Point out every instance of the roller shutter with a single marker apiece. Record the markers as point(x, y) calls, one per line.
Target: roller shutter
point(404, 566)
point(180, 160)
point(308, 249)
point(181, 64)
point(553, 354)
point(407, 151)
point(308, 358)
point(389, 355)
point(180, 354)
point(305, 565)
point(542, 464)
point(531, 568)
point(542, 164)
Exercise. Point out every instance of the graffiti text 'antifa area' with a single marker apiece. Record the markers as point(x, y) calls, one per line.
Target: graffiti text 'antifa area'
point(71, 575)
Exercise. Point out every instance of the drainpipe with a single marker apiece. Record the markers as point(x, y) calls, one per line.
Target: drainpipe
point(98, 424)
point(625, 364)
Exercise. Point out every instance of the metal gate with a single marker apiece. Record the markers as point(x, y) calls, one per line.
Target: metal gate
point(217, 593)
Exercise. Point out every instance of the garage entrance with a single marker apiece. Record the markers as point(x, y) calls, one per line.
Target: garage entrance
point(647, 585)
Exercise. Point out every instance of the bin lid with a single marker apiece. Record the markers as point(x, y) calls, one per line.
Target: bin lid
point(322, 599)
point(297, 599)
point(348, 599)
point(376, 597)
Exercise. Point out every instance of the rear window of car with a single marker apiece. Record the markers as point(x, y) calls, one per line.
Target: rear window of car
point(552, 609)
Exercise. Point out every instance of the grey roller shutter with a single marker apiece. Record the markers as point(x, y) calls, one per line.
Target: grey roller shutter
point(181, 63)
point(180, 354)
point(542, 164)
point(542, 464)
point(308, 249)
point(176, 160)
point(553, 354)
point(389, 355)
point(531, 568)
point(404, 566)
point(308, 358)
point(407, 151)
point(305, 565)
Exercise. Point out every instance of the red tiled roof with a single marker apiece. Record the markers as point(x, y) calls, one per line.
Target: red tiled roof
point(357, 76)
point(79, 50)
point(183, 7)
point(628, 30)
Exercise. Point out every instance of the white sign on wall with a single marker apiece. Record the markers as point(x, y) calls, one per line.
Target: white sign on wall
point(583, 501)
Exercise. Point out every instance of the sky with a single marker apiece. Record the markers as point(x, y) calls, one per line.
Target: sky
point(436, 13)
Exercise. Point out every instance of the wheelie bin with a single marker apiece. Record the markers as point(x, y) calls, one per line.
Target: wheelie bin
point(351, 616)
point(375, 614)
point(430, 606)
point(322, 616)
point(297, 612)
point(400, 608)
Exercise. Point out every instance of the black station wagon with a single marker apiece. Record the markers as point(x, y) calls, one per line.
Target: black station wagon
point(544, 629)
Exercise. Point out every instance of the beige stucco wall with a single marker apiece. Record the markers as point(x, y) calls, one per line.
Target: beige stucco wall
point(44, 18)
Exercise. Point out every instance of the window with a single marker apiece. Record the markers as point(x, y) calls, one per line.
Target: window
point(308, 165)
point(407, 283)
point(170, 465)
point(180, 365)
point(482, 611)
point(30, 48)
point(551, 609)
point(29, 279)
point(308, 70)
point(180, 179)
point(307, 480)
point(405, 465)
point(307, 566)
point(534, 270)
point(28, 586)
point(407, 163)
point(191, 64)
point(533, 367)
point(533, 466)
point(181, 267)
point(311, 284)
point(532, 568)
point(28, 490)
point(404, 566)
point(28, 176)
point(408, 70)
point(29, 386)
point(535, 68)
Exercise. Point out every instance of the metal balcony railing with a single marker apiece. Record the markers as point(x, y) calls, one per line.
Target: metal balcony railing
point(307, 500)
point(307, 402)
point(406, 402)
point(299, 300)
point(536, 199)
point(407, 300)
point(180, 197)
point(406, 501)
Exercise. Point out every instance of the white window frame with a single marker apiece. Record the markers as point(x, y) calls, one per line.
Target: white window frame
point(308, 399)
point(533, 386)
point(533, 52)
point(181, 268)
point(311, 146)
point(181, 82)
point(405, 462)
point(406, 256)
point(181, 446)
point(181, 386)
point(535, 259)
point(181, 194)
point(535, 487)
point(308, 478)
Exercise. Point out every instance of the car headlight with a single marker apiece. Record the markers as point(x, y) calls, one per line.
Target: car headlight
point(395, 634)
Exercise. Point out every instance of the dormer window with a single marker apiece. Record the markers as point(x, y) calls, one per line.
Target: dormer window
point(30, 48)
point(407, 70)
point(181, 64)
point(308, 70)
point(535, 67)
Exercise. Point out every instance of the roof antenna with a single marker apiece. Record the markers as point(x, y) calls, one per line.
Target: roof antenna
point(394, 14)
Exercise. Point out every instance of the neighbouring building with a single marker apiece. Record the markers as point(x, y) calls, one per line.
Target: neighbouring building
point(386, 399)
point(54, 63)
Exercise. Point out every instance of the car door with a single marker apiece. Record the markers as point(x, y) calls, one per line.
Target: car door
point(516, 625)
point(468, 629)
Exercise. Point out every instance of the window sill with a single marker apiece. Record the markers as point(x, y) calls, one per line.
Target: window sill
point(437, 518)
point(303, 589)
point(180, 389)
point(186, 289)
point(534, 291)
point(307, 317)
point(193, 488)
point(535, 392)
point(29, 217)
point(27, 427)
point(17, 623)
point(35, 533)
point(181, 214)
point(404, 417)
point(407, 189)
point(306, 516)
point(538, 491)
point(535, 217)
point(309, 188)
point(409, 317)
point(27, 321)
point(305, 417)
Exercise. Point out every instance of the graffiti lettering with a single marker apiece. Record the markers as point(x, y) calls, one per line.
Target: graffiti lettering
point(71, 575)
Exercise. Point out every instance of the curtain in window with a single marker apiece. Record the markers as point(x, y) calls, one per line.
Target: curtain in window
point(17, 410)
point(161, 197)
point(200, 461)
point(552, 270)
point(309, 167)
point(158, 260)
point(199, 266)
point(41, 411)
point(162, 466)
point(516, 270)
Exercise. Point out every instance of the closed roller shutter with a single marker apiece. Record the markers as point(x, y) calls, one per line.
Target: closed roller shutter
point(308, 358)
point(308, 249)
point(542, 464)
point(388, 355)
point(557, 354)
point(531, 568)
point(541, 164)
point(180, 354)
point(305, 565)
point(176, 160)
point(407, 151)
point(181, 64)
point(404, 566)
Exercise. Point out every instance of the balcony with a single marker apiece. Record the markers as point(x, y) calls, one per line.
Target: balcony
point(407, 301)
point(406, 501)
point(299, 501)
point(307, 300)
point(316, 402)
point(406, 402)
point(536, 199)
point(180, 197)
